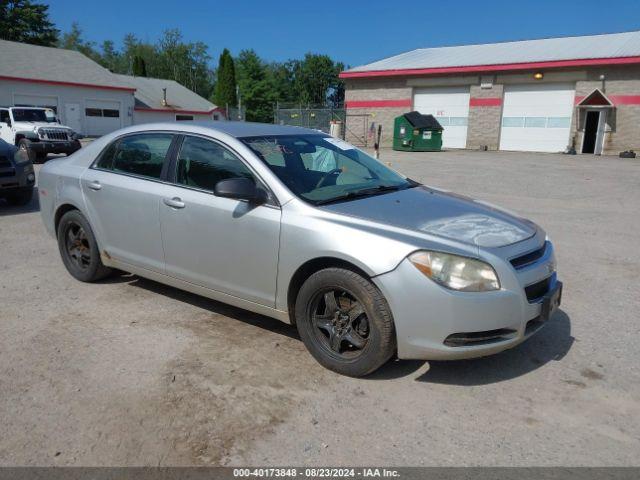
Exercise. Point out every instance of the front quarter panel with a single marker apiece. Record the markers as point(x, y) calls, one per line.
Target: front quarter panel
point(310, 233)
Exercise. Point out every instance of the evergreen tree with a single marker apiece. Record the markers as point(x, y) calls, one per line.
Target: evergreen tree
point(225, 90)
point(27, 22)
point(139, 66)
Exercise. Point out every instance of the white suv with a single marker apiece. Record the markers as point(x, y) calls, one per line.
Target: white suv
point(37, 132)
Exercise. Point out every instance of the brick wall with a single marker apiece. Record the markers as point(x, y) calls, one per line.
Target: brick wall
point(624, 120)
point(360, 120)
point(484, 120)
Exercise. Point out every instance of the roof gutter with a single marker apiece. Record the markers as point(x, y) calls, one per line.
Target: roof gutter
point(587, 62)
point(177, 110)
point(67, 84)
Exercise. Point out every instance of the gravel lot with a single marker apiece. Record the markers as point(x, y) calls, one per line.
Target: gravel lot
point(130, 372)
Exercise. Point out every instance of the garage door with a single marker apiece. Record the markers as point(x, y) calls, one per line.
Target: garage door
point(537, 118)
point(101, 117)
point(450, 106)
point(36, 101)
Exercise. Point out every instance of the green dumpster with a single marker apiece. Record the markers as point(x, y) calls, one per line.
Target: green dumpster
point(415, 132)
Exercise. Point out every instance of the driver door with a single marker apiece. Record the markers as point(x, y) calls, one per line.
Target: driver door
point(224, 244)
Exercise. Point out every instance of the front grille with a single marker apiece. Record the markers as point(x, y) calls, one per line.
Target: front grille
point(537, 290)
point(467, 339)
point(4, 162)
point(54, 134)
point(8, 173)
point(529, 258)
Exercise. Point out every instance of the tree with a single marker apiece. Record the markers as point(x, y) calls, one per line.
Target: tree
point(28, 22)
point(225, 91)
point(139, 66)
point(72, 40)
point(256, 89)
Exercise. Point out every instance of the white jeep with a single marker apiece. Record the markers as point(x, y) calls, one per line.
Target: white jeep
point(37, 132)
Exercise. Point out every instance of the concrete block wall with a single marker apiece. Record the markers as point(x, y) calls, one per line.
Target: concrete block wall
point(379, 100)
point(623, 122)
point(485, 118)
point(360, 120)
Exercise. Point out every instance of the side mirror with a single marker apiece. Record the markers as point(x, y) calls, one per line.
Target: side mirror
point(240, 189)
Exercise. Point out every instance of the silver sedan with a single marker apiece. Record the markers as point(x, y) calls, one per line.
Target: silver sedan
point(299, 226)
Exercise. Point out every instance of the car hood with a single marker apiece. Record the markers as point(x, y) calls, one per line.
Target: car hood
point(447, 215)
point(38, 124)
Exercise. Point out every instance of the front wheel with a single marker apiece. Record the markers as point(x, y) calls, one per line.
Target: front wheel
point(345, 322)
point(78, 248)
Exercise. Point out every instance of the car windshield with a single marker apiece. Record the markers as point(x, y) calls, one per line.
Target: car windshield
point(322, 169)
point(29, 115)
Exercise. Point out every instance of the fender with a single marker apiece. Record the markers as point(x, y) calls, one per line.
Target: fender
point(28, 134)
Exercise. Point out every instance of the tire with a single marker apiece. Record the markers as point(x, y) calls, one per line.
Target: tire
point(79, 249)
point(25, 144)
point(363, 313)
point(21, 197)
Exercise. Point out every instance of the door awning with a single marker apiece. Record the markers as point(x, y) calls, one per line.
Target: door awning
point(595, 99)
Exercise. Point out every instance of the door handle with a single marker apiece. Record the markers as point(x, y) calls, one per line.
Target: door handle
point(95, 185)
point(175, 202)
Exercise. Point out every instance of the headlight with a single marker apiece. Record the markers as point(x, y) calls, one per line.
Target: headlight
point(456, 272)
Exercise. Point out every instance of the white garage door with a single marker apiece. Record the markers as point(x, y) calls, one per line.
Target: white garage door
point(101, 117)
point(537, 118)
point(450, 105)
point(35, 101)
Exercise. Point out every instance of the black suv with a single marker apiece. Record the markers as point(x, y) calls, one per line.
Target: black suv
point(16, 175)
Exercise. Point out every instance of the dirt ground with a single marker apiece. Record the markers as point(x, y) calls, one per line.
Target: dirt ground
point(130, 372)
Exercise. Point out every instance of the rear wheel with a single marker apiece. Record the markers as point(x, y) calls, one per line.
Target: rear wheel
point(345, 322)
point(78, 248)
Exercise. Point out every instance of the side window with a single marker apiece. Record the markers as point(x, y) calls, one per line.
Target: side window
point(4, 116)
point(142, 155)
point(106, 158)
point(203, 163)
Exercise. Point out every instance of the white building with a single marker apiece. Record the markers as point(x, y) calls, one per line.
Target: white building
point(87, 97)
point(158, 100)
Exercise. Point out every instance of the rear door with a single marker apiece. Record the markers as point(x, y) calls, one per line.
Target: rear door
point(123, 191)
point(223, 244)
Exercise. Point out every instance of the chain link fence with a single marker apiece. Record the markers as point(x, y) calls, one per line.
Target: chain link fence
point(317, 118)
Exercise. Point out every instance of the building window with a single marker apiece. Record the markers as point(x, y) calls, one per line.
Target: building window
point(100, 112)
point(184, 118)
point(216, 116)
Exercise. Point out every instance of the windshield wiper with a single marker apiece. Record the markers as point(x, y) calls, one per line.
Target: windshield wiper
point(366, 192)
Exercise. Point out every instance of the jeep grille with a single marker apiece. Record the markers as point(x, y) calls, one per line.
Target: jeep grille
point(54, 134)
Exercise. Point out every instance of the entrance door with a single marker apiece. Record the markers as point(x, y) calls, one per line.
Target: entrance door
point(72, 116)
point(590, 132)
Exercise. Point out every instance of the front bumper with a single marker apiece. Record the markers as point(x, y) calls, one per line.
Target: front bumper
point(45, 146)
point(17, 177)
point(434, 323)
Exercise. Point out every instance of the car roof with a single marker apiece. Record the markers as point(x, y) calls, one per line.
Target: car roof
point(251, 129)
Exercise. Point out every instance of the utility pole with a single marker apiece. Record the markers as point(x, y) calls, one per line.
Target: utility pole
point(239, 102)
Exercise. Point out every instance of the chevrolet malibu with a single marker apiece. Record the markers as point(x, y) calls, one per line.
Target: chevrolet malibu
point(299, 226)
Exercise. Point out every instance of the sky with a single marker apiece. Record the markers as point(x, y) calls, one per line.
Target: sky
point(354, 32)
